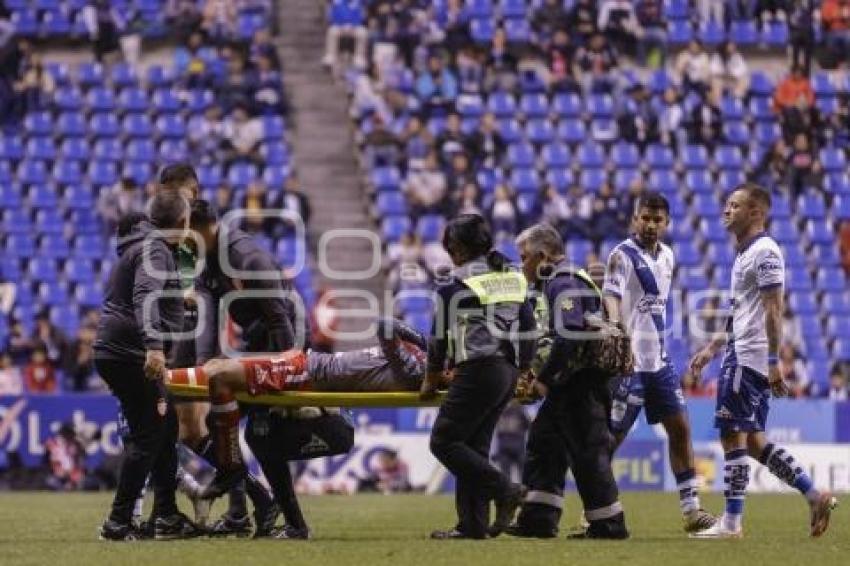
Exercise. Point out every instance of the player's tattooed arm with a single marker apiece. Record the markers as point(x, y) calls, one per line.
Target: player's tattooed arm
point(614, 283)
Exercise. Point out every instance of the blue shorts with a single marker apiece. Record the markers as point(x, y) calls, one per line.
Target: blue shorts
point(659, 391)
point(742, 400)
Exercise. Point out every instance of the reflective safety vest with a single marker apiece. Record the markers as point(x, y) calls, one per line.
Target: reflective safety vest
point(481, 332)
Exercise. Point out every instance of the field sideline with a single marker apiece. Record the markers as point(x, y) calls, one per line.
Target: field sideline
point(43, 528)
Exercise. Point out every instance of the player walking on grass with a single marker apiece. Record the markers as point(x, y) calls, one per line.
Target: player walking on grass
point(637, 285)
point(750, 369)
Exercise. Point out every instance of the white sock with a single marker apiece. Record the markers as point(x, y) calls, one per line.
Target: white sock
point(187, 484)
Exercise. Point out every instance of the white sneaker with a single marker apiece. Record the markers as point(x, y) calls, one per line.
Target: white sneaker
point(821, 510)
point(718, 530)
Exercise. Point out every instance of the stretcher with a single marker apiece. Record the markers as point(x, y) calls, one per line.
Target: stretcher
point(320, 398)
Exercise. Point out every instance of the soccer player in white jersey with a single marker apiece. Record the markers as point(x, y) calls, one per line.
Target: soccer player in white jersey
point(637, 286)
point(750, 368)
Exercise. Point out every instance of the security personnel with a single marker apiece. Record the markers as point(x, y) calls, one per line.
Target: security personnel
point(481, 312)
point(571, 427)
point(142, 307)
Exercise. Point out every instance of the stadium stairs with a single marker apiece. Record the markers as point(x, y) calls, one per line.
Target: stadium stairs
point(324, 153)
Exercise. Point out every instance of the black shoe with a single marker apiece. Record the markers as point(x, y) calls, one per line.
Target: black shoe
point(409, 334)
point(227, 526)
point(288, 532)
point(600, 534)
point(506, 507)
point(454, 534)
point(223, 481)
point(115, 531)
point(517, 530)
point(145, 529)
point(266, 519)
point(176, 526)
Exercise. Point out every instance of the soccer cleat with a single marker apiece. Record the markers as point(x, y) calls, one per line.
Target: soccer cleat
point(454, 534)
point(223, 481)
point(114, 531)
point(716, 531)
point(288, 532)
point(506, 507)
point(226, 526)
point(407, 333)
point(175, 526)
point(821, 510)
point(517, 530)
point(266, 519)
point(699, 520)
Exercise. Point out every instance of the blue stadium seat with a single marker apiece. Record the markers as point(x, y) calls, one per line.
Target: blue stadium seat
point(825, 255)
point(90, 75)
point(11, 196)
point(141, 150)
point(833, 159)
point(517, 30)
point(275, 176)
point(514, 8)
point(737, 133)
point(706, 205)
point(534, 105)
point(625, 155)
point(802, 303)
point(766, 133)
point(811, 205)
point(17, 221)
point(53, 294)
point(837, 183)
point(577, 250)
point(25, 22)
point(794, 256)
point(841, 349)
point(711, 33)
point(68, 99)
point(133, 100)
point(623, 179)
point(38, 123)
point(139, 172)
point(33, 172)
point(430, 228)
point(103, 173)
point(761, 110)
point(199, 100)
point(10, 270)
point(20, 245)
point(470, 106)
point(694, 157)
point(744, 33)
point(159, 77)
point(68, 172)
point(798, 280)
point(687, 253)
point(394, 227)
point(718, 252)
point(53, 246)
point(568, 105)
point(390, 203)
point(729, 157)
point(781, 208)
point(42, 270)
point(679, 32)
point(88, 247)
point(761, 84)
point(78, 197)
point(108, 149)
point(600, 105)
point(41, 148)
point(663, 180)
point(104, 125)
point(555, 155)
point(784, 231)
point(732, 108)
point(841, 207)
point(242, 174)
point(830, 279)
point(521, 155)
point(660, 157)
point(510, 130)
point(699, 181)
point(71, 124)
point(775, 33)
point(509, 248)
point(11, 147)
point(75, 149)
point(89, 296)
point(572, 131)
point(174, 150)
point(819, 232)
point(42, 196)
point(55, 23)
point(482, 30)
point(101, 100)
point(540, 131)
point(66, 318)
point(836, 303)
point(165, 101)
point(210, 175)
point(592, 179)
point(525, 181)
point(137, 126)
point(728, 180)
point(591, 155)
point(693, 279)
point(171, 126)
point(273, 127)
point(123, 76)
point(561, 179)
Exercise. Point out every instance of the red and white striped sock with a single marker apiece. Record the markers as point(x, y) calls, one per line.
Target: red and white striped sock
point(195, 376)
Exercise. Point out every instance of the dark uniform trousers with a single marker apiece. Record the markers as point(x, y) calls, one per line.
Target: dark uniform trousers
point(150, 445)
point(571, 432)
point(463, 431)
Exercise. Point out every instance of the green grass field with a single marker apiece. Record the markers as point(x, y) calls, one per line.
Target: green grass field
point(41, 528)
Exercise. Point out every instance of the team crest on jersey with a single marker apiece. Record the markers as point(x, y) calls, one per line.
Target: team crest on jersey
point(567, 304)
point(261, 374)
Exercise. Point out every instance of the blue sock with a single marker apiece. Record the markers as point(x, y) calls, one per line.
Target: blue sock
point(782, 465)
point(736, 477)
point(686, 483)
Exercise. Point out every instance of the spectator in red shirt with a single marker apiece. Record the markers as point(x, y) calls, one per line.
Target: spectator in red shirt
point(836, 22)
point(65, 457)
point(39, 375)
point(792, 89)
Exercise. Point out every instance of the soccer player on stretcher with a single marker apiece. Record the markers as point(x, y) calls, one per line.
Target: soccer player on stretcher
point(397, 364)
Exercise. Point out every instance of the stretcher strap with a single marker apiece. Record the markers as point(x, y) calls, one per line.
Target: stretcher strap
point(320, 398)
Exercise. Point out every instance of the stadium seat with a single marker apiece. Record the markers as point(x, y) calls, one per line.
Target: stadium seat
point(802, 303)
point(521, 155)
point(41, 148)
point(68, 99)
point(699, 181)
point(17, 221)
point(273, 127)
point(54, 294)
point(139, 172)
point(90, 75)
point(687, 253)
point(11, 147)
point(390, 203)
point(819, 232)
point(517, 30)
point(625, 155)
point(42, 196)
point(242, 174)
point(133, 100)
point(137, 126)
point(42, 270)
point(482, 30)
point(66, 317)
point(525, 180)
point(794, 256)
point(561, 179)
point(158, 77)
point(123, 76)
point(830, 279)
point(706, 205)
point(103, 173)
point(719, 252)
point(577, 250)
point(679, 32)
point(660, 157)
point(470, 106)
point(170, 126)
point(534, 106)
point(784, 231)
point(510, 130)
point(841, 349)
point(572, 131)
point(798, 280)
point(811, 206)
point(775, 33)
point(101, 100)
point(394, 227)
point(199, 100)
point(165, 101)
point(89, 296)
point(694, 157)
point(38, 123)
point(430, 228)
point(108, 149)
point(841, 207)
point(141, 150)
point(19, 245)
point(175, 150)
point(711, 33)
point(540, 131)
point(600, 106)
point(624, 178)
point(836, 303)
point(744, 33)
point(728, 180)
point(567, 105)
point(833, 159)
point(104, 125)
point(837, 183)
point(555, 155)
point(732, 109)
point(11, 196)
point(591, 155)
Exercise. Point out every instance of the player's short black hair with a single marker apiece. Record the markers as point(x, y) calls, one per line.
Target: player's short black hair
point(756, 194)
point(468, 235)
point(203, 213)
point(126, 222)
point(167, 208)
point(654, 201)
point(177, 175)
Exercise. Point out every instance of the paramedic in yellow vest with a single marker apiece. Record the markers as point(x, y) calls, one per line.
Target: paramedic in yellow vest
point(484, 330)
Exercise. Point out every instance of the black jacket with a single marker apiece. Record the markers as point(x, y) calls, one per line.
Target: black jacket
point(127, 326)
point(267, 322)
